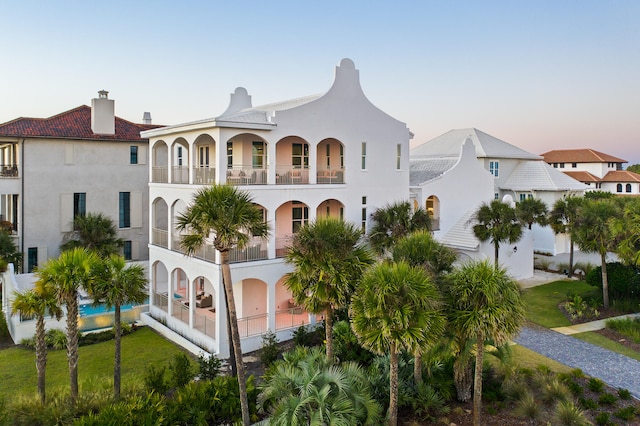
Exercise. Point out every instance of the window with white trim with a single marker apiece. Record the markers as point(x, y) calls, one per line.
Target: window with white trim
point(364, 156)
point(494, 168)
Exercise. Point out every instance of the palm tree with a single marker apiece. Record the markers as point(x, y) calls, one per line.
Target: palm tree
point(532, 210)
point(329, 259)
point(230, 217)
point(313, 390)
point(394, 221)
point(9, 251)
point(115, 286)
point(485, 304)
point(627, 230)
point(38, 302)
point(395, 308)
point(420, 249)
point(594, 234)
point(93, 231)
point(563, 219)
point(73, 270)
point(496, 222)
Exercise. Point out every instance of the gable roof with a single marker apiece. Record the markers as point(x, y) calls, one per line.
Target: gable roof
point(580, 156)
point(72, 124)
point(621, 176)
point(261, 114)
point(487, 146)
point(540, 176)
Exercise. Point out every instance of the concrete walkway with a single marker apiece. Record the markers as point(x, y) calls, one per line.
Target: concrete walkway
point(589, 326)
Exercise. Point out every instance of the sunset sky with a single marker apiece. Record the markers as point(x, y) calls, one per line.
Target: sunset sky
point(542, 75)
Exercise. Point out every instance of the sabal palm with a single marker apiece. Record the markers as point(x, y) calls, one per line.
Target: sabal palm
point(394, 221)
point(594, 233)
point(230, 217)
point(315, 391)
point(71, 271)
point(95, 231)
point(532, 210)
point(484, 303)
point(626, 228)
point(395, 308)
point(496, 222)
point(329, 259)
point(563, 219)
point(38, 302)
point(115, 286)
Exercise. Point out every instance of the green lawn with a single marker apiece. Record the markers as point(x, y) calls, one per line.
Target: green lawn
point(95, 368)
point(603, 342)
point(542, 301)
point(526, 358)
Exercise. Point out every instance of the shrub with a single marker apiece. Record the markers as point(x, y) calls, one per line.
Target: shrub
point(4, 330)
point(607, 399)
point(626, 326)
point(577, 307)
point(575, 388)
point(596, 385)
point(154, 380)
point(566, 413)
point(554, 390)
point(269, 352)
point(624, 281)
point(305, 336)
point(56, 339)
point(208, 367)
point(346, 346)
point(602, 419)
point(181, 371)
point(428, 402)
point(587, 403)
point(624, 394)
point(626, 413)
point(528, 407)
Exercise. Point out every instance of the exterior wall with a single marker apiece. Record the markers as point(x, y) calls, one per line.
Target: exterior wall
point(56, 169)
point(613, 187)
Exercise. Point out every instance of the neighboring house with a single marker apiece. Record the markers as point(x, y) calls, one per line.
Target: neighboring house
point(79, 161)
point(452, 182)
point(334, 155)
point(600, 171)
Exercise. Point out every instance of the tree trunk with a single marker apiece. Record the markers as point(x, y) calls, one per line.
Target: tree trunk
point(417, 368)
point(496, 249)
point(41, 356)
point(477, 382)
point(605, 281)
point(232, 352)
point(328, 332)
point(235, 335)
point(116, 362)
point(72, 345)
point(463, 378)
point(393, 385)
point(571, 257)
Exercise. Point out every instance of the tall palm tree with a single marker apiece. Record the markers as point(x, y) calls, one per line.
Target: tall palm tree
point(496, 222)
point(594, 234)
point(115, 286)
point(420, 249)
point(563, 219)
point(328, 259)
point(532, 210)
point(394, 221)
point(73, 270)
point(395, 308)
point(94, 231)
point(626, 228)
point(485, 303)
point(230, 217)
point(38, 302)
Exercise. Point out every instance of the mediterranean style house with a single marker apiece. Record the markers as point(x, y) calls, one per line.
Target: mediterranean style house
point(79, 161)
point(334, 154)
point(600, 171)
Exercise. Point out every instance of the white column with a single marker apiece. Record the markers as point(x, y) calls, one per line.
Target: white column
point(271, 306)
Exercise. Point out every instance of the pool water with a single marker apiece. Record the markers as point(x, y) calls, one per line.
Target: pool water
point(89, 309)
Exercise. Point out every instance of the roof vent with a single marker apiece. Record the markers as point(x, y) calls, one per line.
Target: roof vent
point(146, 118)
point(103, 119)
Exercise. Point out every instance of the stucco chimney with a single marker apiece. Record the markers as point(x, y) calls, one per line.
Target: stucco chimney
point(146, 118)
point(240, 100)
point(103, 119)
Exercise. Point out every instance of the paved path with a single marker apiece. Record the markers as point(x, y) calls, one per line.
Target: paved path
point(616, 370)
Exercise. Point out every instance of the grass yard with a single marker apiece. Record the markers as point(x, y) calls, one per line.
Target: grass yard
point(542, 301)
point(526, 358)
point(95, 367)
point(603, 342)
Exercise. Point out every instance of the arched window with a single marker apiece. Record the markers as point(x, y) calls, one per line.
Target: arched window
point(619, 187)
point(628, 188)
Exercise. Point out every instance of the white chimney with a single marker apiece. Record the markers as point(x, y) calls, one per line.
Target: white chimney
point(103, 119)
point(146, 118)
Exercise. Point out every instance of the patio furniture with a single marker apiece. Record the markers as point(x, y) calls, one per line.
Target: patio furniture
point(205, 301)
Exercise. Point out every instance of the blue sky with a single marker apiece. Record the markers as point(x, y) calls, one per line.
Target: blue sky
point(538, 74)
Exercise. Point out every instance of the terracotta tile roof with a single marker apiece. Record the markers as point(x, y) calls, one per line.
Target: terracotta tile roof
point(621, 176)
point(583, 176)
point(579, 156)
point(72, 124)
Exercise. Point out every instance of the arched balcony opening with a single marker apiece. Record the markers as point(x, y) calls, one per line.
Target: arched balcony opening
point(178, 208)
point(290, 217)
point(247, 160)
point(256, 249)
point(288, 313)
point(160, 162)
point(160, 286)
point(179, 295)
point(205, 306)
point(204, 171)
point(160, 223)
point(330, 161)
point(292, 161)
point(330, 208)
point(180, 167)
point(251, 306)
point(433, 210)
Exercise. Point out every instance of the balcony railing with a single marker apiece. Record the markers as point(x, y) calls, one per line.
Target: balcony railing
point(330, 175)
point(290, 175)
point(9, 171)
point(282, 246)
point(180, 174)
point(246, 175)
point(204, 175)
point(252, 326)
point(161, 301)
point(291, 318)
point(255, 250)
point(205, 324)
point(160, 237)
point(160, 174)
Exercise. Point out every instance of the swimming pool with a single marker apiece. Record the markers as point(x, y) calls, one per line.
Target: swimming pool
point(88, 309)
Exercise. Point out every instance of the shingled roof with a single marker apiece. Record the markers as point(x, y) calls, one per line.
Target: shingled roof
point(72, 124)
point(580, 156)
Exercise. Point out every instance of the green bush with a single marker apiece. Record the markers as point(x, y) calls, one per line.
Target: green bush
point(587, 403)
point(154, 380)
point(607, 399)
point(566, 413)
point(270, 351)
point(181, 371)
point(208, 367)
point(306, 336)
point(346, 346)
point(602, 419)
point(624, 394)
point(596, 385)
point(627, 413)
point(4, 330)
point(624, 281)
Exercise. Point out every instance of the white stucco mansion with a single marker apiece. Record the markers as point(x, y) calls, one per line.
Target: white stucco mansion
point(334, 154)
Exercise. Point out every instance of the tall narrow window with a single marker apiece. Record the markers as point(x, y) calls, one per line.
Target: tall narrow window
point(204, 156)
point(32, 258)
point(341, 157)
point(364, 156)
point(133, 154)
point(258, 155)
point(300, 156)
point(619, 187)
point(79, 204)
point(300, 216)
point(398, 156)
point(628, 188)
point(494, 168)
point(328, 156)
point(127, 250)
point(229, 155)
point(125, 210)
point(523, 197)
point(364, 220)
point(179, 156)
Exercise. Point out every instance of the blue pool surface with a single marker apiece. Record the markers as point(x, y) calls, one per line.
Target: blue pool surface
point(88, 309)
